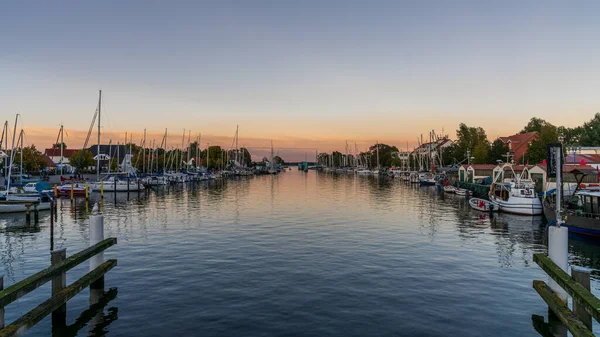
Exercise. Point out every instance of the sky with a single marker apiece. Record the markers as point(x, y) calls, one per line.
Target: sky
point(308, 75)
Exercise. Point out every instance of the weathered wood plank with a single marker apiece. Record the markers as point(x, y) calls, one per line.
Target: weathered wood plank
point(582, 296)
point(31, 318)
point(561, 310)
point(20, 289)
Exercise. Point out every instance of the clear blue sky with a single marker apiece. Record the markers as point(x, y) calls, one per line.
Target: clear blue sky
point(315, 69)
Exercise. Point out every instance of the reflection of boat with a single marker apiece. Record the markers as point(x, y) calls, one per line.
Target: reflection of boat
point(517, 196)
point(482, 205)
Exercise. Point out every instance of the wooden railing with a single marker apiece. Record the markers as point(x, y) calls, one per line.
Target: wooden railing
point(577, 286)
point(61, 293)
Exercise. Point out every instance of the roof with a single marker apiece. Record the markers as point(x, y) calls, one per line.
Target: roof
point(67, 153)
point(587, 169)
point(48, 161)
point(481, 166)
point(577, 158)
point(519, 139)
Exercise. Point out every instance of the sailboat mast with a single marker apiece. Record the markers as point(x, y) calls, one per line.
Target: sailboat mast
point(61, 149)
point(144, 153)
point(98, 145)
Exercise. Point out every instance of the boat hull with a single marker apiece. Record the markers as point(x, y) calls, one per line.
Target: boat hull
point(482, 205)
point(21, 207)
point(576, 224)
point(520, 206)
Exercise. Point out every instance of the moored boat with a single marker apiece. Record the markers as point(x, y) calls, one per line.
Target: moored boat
point(517, 196)
point(449, 189)
point(482, 205)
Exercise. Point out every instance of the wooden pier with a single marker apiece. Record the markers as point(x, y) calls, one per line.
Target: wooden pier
point(61, 293)
point(585, 305)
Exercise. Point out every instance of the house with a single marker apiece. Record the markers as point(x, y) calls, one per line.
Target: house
point(108, 152)
point(54, 155)
point(519, 144)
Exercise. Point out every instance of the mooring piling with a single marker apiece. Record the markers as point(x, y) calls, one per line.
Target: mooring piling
point(96, 235)
point(558, 252)
point(59, 282)
point(1, 307)
point(582, 276)
point(36, 214)
point(27, 213)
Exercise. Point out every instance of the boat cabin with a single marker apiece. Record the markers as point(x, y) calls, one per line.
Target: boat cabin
point(589, 203)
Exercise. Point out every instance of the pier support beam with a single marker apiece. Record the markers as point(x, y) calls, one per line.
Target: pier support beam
point(582, 276)
point(1, 308)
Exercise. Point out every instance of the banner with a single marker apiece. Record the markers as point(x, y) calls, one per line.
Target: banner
point(552, 159)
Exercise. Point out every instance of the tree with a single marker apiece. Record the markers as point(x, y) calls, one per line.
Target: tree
point(33, 160)
point(535, 124)
point(82, 159)
point(481, 153)
point(386, 155)
point(497, 151)
point(278, 160)
point(537, 150)
point(57, 145)
point(467, 139)
point(590, 132)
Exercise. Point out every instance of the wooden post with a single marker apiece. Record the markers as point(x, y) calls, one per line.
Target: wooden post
point(59, 282)
point(96, 235)
point(87, 194)
point(51, 224)
point(115, 185)
point(36, 214)
point(55, 191)
point(127, 184)
point(582, 276)
point(102, 190)
point(1, 308)
point(72, 192)
point(27, 214)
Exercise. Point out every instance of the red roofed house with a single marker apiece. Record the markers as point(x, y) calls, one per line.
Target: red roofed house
point(54, 154)
point(519, 144)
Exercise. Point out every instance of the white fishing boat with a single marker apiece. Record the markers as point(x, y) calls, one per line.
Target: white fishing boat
point(482, 205)
point(449, 189)
point(516, 196)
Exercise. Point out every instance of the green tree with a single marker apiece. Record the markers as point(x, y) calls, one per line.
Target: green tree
point(386, 155)
point(535, 124)
point(590, 132)
point(537, 150)
point(497, 151)
point(278, 160)
point(57, 145)
point(467, 139)
point(215, 157)
point(82, 159)
point(33, 160)
point(481, 153)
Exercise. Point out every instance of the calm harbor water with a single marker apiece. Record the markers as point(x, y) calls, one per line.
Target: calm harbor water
point(297, 255)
